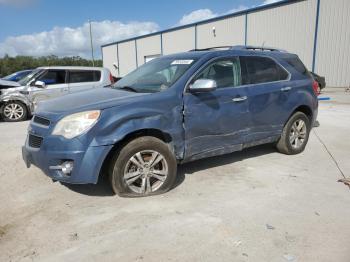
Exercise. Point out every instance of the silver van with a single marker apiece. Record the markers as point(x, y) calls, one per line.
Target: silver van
point(18, 103)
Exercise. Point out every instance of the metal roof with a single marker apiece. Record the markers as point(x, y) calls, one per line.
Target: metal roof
point(242, 12)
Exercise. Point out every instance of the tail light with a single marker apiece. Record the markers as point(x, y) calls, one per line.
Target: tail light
point(111, 78)
point(316, 88)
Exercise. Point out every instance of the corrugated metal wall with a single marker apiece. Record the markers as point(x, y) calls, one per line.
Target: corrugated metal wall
point(290, 27)
point(179, 41)
point(229, 31)
point(127, 57)
point(333, 45)
point(109, 57)
point(148, 46)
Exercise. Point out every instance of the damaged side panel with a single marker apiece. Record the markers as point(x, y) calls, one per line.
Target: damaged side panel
point(163, 116)
point(214, 122)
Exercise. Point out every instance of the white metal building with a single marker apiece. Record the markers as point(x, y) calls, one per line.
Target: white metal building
point(317, 30)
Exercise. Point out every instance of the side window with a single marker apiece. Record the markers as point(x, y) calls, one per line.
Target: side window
point(53, 77)
point(257, 69)
point(84, 76)
point(298, 65)
point(226, 73)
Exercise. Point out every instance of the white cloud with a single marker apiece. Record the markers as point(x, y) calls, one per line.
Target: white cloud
point(237, 9)
point(203, 14)
point(266, 2)
point(67, 41)
point(197, 15)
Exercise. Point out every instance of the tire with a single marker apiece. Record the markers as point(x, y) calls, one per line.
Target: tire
point(130, 178)
point(14, 111)
point(293, 142)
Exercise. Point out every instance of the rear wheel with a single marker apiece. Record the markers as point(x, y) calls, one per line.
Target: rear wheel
point(295, 134)
point(14, 111)
point(145, 166)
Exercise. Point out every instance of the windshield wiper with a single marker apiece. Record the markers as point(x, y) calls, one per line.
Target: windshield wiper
point(129, 88)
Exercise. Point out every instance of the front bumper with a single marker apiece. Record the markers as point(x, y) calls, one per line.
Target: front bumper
point(87, 163)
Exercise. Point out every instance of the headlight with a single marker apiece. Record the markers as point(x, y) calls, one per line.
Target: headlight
point(76, 124)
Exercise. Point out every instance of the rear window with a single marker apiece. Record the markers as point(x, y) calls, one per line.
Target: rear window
point(297, 65)
point(257, 69)
point(84, 76)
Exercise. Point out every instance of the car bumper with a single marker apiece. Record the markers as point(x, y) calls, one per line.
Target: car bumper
point(86, 163)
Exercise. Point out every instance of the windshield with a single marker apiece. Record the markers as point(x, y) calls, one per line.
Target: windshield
point(9, 77)
point(155, 76)
point(25, 80)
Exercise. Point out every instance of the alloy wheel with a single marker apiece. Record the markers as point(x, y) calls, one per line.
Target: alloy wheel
point(297, 134)
point(145, 172)
point(13, 111)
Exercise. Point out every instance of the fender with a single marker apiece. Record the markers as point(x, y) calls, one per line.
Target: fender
point(118, 122)
point(306, 98)
point(16, 96)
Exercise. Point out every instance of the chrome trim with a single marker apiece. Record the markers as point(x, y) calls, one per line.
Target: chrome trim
point(284, 89)
point(239, 99)
point(186, 89)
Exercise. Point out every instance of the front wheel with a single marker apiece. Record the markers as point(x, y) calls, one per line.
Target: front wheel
point(145, 166)
point(14, 111)
point(295, 134)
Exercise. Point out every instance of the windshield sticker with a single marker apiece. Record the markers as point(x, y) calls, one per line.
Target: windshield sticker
point(182, 62)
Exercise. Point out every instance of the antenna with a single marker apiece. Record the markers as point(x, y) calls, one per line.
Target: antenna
point(262, 47)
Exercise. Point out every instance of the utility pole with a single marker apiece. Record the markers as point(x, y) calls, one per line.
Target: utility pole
point(92, 46)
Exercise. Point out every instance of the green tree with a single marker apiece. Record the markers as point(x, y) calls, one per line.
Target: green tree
point(9, 65)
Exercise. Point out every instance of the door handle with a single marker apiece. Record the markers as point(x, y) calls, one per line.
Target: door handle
point(286, 89)
point(239, 99)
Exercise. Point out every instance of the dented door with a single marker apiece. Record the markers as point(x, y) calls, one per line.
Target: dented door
point(216, 122)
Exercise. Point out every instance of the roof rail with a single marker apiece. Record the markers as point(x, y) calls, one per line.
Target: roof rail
point(211, 48)
point(241, 47)
point(262, 48)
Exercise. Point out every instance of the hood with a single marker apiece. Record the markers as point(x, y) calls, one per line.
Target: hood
point(4, 84)
point(99, 98)
point(12, 90)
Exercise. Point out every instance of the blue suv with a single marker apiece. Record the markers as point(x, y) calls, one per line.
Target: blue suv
point(171, 110)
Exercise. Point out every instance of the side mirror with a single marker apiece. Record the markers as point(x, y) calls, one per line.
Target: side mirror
point(40, 84)
point(203, 85)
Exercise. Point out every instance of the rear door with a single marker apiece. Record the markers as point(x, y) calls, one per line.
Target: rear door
point(215, 122)
point(56, 85)
point(267, 90)
point(81, 80)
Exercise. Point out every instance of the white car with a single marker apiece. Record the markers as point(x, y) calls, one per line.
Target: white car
point(17, 103)
point(6, 84)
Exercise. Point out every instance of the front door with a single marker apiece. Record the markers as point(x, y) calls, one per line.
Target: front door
point(215, 122)
point(56, 85)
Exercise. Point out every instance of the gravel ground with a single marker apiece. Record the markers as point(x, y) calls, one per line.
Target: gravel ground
point(255, 205)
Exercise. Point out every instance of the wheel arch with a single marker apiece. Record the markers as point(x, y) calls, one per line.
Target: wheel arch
point(153, 132)
point(4, 102)
point(304, 109)
point(16, 98)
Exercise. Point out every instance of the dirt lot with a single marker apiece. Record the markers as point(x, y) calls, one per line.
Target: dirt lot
point(255, 205)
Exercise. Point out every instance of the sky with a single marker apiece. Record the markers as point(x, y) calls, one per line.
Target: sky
point(60, 27)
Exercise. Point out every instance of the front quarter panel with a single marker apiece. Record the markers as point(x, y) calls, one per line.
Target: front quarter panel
point(160, 111)
point(16, 96)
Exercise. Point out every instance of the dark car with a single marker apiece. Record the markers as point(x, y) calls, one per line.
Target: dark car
point(171, 110)
point(321, 80)
point(17, 75)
